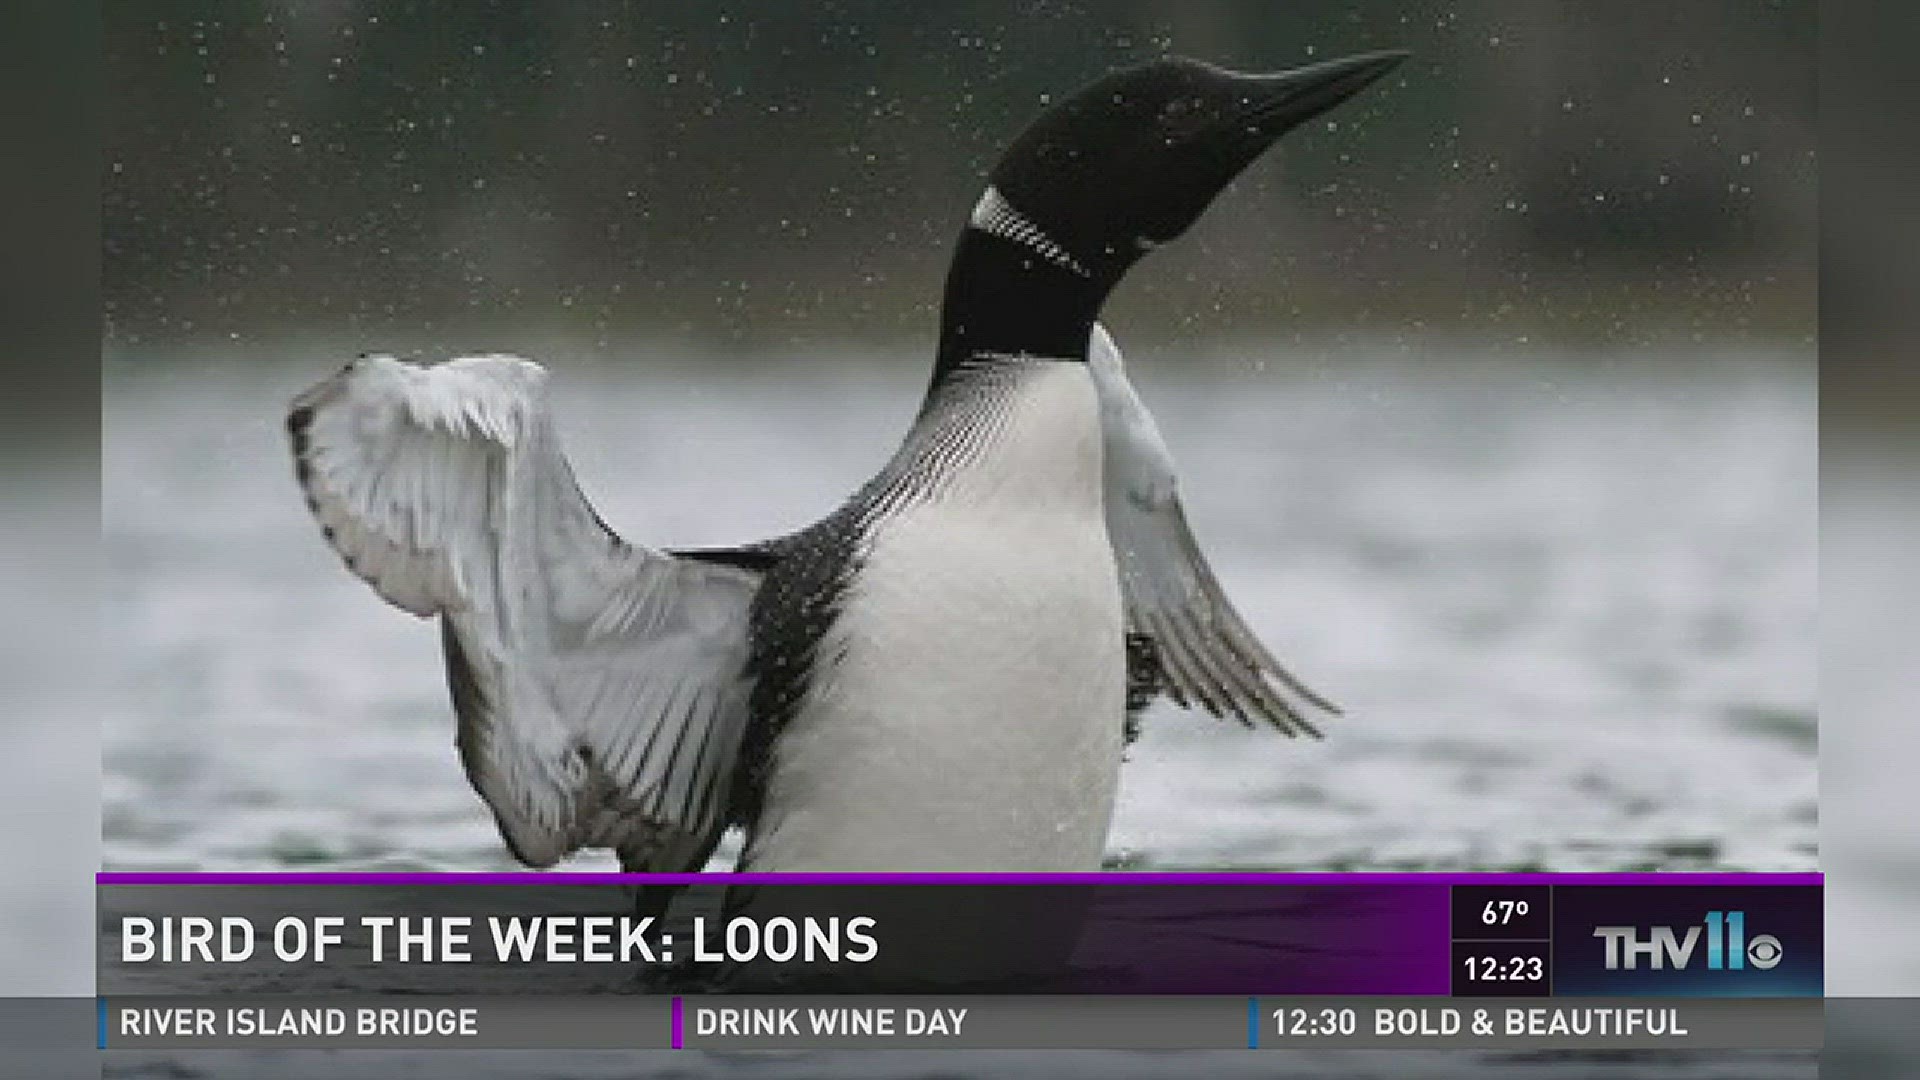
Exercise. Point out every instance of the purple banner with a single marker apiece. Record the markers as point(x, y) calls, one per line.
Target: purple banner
point(1120, 933)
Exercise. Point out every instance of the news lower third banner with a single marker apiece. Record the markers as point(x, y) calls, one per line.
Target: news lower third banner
point(1121, 960)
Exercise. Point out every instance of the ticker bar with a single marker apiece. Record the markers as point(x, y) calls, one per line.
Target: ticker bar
point(957, 1021)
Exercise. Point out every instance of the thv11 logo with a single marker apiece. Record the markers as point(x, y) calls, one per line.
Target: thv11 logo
point(1728, 947)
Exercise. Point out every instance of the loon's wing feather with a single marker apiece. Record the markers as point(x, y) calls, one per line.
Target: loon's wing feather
point(601, 687)
point(1204, 652)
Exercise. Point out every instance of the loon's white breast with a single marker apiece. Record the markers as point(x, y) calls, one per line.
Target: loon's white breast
point(970, 715)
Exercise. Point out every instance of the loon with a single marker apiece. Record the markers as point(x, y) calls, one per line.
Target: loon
point(940, 674)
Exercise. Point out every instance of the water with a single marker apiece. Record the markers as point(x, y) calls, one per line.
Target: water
point(1568, 602)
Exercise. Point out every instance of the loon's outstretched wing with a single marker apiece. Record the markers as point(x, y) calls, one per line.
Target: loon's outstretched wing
point(1201, 651)
point(601, 687)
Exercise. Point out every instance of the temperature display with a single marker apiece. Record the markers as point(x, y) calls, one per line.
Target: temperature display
point(1502, 913)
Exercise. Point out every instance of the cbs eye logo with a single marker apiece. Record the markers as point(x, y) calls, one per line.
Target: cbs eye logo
point(1764, 951)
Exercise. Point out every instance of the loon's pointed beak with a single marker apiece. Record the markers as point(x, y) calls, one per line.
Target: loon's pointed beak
point(1276, 103)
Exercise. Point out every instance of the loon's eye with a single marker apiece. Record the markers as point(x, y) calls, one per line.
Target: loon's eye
point(1182, 117)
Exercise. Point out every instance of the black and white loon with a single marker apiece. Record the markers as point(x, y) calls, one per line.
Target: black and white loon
point(935, 675)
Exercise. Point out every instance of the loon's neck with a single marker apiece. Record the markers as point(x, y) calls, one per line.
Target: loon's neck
point(1003, 296)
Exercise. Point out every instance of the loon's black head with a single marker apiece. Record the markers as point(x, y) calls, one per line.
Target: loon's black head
point(1135, 158)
